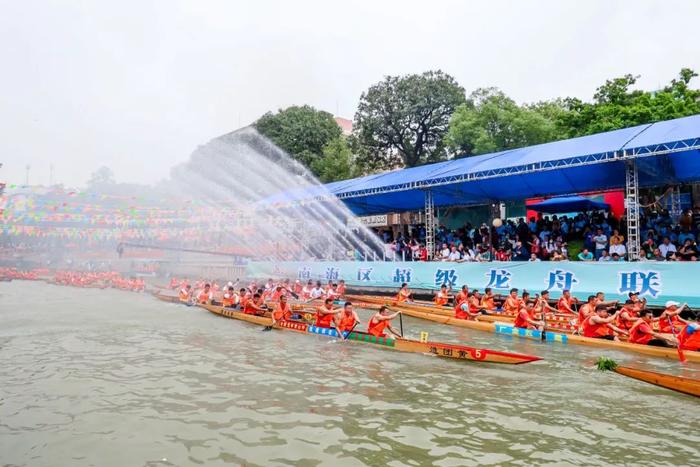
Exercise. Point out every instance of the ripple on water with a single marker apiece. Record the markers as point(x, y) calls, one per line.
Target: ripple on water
point(134, 381)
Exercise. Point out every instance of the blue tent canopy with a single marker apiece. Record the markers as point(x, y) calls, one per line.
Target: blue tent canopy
point(666, 152)
point(568, 204)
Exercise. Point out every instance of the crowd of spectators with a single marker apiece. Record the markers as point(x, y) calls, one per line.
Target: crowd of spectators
point(598, 236)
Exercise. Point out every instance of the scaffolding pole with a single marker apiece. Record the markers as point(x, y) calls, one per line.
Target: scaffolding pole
point(632, 208)
point(676, 204)
point(429, 223)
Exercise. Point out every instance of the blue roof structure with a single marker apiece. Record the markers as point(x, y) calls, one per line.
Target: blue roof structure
point(568, 204)
point(667, 152)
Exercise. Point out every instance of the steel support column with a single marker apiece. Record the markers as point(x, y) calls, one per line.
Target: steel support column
point(676, 204)
point(632, 209)
point(429, 224)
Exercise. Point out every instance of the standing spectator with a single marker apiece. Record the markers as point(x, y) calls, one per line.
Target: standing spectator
point(601, 242)
point(519, 252)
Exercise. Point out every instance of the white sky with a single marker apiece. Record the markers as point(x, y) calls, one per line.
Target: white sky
point(137, 85)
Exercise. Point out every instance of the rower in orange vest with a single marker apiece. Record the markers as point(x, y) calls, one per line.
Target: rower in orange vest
point(628, 316)
point(282, 311)
point(487, 302)
point(205, 295)
point(525, 318)
point(566, 302)
point(347, 319)
point(229, 298)
point(689, 337)
point(642, 333)
point(512, 303)
point(380, 321)
point(404, 295)
point(599, 325)
point(254, 306)
point(442, 297)
point(462, 295)
point(325, 314)
point(185, 293)
point(670, 317)
point(341, 288)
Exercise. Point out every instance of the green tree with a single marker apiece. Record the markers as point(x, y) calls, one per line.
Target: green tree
point(303, 131)
point(337, 162)
point(615, 105)
point(490, 121)
point(102, 176)
point(402, 120)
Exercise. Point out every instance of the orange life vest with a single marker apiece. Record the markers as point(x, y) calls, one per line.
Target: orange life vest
point(459, 312)
point(203, 297)
point(665, 326)
point(625, 324)
point(512, 305)
point(564, 304)
point(248, 309)
point(440, 299)
point(184, 295)
point(637, 336)
point(282, 313)
point(377, 329)
point(521, 319)
point(325, 320)
point(595, 330)
point(487, 303)
point(347, 322)
point(688, 341)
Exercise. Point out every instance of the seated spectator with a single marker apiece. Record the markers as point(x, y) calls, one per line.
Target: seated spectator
point(688, 250)
point(534, 258)
point(455, 255)
point(667, 247)
point(657, 256)
point(484, 253)
point(444, 253)
point(616, 258)
point(605, 256)
point(616, 247)
point(557, 256)
point(585, 255)
point(502, 255)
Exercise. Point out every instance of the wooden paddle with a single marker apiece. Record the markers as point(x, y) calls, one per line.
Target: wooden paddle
point(681, 355)
point(351, 330)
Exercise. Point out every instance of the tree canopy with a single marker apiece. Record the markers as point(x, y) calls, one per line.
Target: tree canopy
point(616, 106)
point(491, 121)
point(405, 121)
point(302, 131)
point(402, 120)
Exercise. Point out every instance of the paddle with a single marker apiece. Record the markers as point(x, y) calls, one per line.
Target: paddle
point(351, 330)
point(681, 355)
point(401, 323)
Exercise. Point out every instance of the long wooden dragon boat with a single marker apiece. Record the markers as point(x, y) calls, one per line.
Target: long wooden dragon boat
point(459, 352)
point(676, 383)
point(507, 328)
point(559, 322)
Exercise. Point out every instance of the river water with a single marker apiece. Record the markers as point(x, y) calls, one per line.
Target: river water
point(109, 378)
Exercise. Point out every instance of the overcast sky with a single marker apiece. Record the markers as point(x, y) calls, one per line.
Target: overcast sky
point(137, 85)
